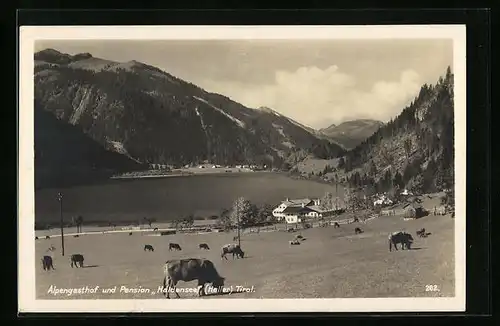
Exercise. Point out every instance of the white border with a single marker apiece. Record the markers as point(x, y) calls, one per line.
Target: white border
point(26, 254)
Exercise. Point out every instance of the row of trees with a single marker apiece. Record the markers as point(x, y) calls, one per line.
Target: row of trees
point(244, 213)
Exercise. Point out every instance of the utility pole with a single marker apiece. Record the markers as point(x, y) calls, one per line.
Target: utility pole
point(60, 198)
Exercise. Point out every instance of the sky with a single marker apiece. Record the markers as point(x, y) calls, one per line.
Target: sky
point(315, 82)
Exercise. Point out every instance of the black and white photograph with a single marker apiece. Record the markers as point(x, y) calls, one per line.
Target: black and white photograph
point(283, 168)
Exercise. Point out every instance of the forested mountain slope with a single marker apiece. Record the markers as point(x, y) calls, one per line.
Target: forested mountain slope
point(415, 150)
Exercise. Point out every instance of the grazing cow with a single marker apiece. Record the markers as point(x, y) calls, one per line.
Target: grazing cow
point(36, 238)
point(174, 246)
point(155, 229)
point(148, 248)
point(204, 246)
point(358, 231)
point(336, 225)
point(400, 237)
point(47, 237)
point(76, 260)
point(76, 236)
point(188, 270)
point(47, 263)
point(233, 249)
point(235, 238)
point(130, 233)
point(294, 242)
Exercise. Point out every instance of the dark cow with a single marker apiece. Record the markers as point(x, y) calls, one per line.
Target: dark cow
point(336, 225)
point(36, 238)
point(188, 270)
point(148, 248)
point(76, 260)
point(130, 233)
point(204, 246)
point(294, 242)
point(174, 246)
point(233, 249)
point(47, 237)
point(358, 231)
point(76, 236)
point(47, 263)
point(405, 239)
point(155, 229)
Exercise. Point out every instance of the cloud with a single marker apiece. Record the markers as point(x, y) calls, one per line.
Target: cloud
point(319, 97)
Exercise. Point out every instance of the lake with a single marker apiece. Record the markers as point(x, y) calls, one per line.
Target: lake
point(172, 197)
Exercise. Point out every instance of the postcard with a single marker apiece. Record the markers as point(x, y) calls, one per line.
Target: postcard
point(271, 168)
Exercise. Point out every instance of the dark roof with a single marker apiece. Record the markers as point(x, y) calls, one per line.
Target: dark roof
point(293, 202)
point(296, 209)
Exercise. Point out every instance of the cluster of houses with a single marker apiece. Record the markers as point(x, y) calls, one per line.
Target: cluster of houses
point(218, 166)
point(155, 166)
point(296, 210)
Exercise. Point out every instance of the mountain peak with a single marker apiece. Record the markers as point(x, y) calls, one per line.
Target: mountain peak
point(49, 51)
point(82, 56)
point(53, 56)
point(353, 132)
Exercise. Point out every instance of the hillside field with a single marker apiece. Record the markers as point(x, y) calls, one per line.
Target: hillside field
point(330, 263)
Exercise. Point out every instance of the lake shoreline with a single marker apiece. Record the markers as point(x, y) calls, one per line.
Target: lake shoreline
point(186, 173)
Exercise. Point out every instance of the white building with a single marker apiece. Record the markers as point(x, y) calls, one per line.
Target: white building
point(406, 193)
point(382, 201)
point(278, 211)
point(293, 211)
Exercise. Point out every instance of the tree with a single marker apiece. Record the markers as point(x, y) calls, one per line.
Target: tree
point(407, 146)
point(243, 213)
point(341, 163)
point(386, 155)
point(266, 213)
point(416, 184)
point(224, 219)
point(175, 224)
point(394, 193)
point(149, 221)
point(328, 201)
point(398, 180)
point(449, 198)
point(79, 223)
point(188, 221)
point(347, 164)
point(373, 169)
point(353, 199)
